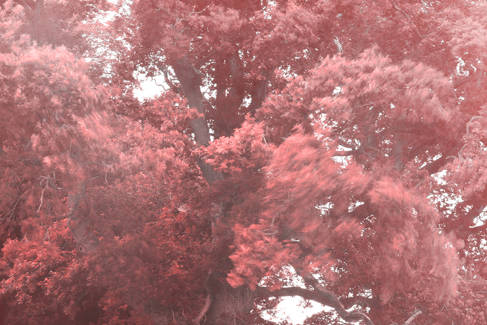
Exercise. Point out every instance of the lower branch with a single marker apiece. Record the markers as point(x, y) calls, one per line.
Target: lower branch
point(324, 297)
point(203, 311)
point(207, 304)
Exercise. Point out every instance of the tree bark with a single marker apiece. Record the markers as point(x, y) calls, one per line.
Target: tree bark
point(229, 306)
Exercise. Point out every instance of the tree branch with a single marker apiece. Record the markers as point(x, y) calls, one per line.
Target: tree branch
point(208, 301)
point(413, 316)
point(343, 153)
point(478, 229)
point(82, 235)
point(408, 18)
point(12, 209)
point(324, 297)
point(41, 199)
point(258, 94)
point(358, 300)
point(190, 79)
point(28, 4)
point(331, 299)
point(203, 310)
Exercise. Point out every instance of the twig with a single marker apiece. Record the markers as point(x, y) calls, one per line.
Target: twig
point(10, 212)
point(408, 18)
point(202, 10)
point(413, 316)
point(42, 197)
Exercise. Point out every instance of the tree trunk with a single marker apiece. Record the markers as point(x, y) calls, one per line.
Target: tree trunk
point(230, 306)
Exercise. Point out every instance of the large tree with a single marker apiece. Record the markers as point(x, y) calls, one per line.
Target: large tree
point(338, 143)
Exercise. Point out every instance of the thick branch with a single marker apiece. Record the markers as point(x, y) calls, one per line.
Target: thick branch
point(258, 94)
point(324, 297)
point(190, 79)
point(331, 298)
point(229, 96)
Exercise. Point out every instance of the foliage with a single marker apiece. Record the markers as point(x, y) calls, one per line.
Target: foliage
point(341, 144)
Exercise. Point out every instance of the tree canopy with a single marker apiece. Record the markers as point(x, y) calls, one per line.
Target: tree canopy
point(339, 142)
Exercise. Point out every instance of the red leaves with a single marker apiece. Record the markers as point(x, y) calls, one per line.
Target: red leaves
point(321, 161)
point(245, 152)
point(39, 274)
point(251, 262)
point(348, 228)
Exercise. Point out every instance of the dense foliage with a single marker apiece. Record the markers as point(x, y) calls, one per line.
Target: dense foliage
point(339, 142)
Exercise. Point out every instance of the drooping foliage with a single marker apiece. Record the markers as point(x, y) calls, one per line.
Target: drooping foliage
point(336, 144)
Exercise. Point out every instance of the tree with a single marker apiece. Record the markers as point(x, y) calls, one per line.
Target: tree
point(340, 143)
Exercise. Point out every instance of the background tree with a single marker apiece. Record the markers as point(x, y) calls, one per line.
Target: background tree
point(341, 143)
